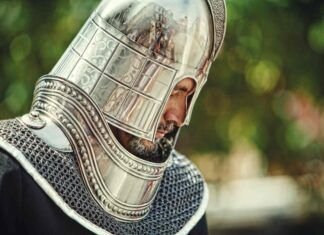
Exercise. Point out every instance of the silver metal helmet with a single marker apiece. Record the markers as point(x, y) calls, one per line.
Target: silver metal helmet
point(130, 55)
point(120, 71)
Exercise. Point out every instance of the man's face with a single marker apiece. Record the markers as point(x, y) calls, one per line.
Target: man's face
point(172, 118)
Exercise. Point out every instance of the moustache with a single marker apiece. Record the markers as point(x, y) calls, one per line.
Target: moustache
point(167, 127)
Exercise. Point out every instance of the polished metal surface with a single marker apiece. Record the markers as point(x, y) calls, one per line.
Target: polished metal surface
point(123, 184)
point(130, 55)
point(49, 132)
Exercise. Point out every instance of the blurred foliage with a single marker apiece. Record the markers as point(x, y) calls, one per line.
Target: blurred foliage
point(265, 88)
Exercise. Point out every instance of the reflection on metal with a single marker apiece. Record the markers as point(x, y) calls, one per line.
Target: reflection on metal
point(49, 132)
point(130, 54)
point(123, 184)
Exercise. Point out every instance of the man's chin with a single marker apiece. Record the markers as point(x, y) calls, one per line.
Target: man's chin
point(149, 145)
point(143, 148)
point(153, 151)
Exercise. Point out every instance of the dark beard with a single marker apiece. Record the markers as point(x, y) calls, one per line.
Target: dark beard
point(157, 152)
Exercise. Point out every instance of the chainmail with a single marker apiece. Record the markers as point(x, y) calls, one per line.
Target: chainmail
point(178, 198)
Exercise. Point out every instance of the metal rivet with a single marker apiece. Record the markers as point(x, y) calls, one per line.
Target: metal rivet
point(83, 150)
point(87, 163)
point(84, 157)
point(34, 114)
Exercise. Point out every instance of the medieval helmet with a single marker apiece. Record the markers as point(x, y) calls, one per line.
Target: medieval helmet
point(130, 54)
point(120, 70)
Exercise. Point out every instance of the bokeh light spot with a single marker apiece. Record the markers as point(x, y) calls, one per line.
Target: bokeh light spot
point(241, 127)
point(295, 138)
point(316, 37)
point(262, 77)
point(16, 97)
point(20, 47)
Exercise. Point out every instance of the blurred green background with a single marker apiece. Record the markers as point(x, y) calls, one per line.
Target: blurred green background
point(261, 113)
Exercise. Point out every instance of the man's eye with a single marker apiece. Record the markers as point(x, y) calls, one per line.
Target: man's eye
point(175, 92)
point(179, 92)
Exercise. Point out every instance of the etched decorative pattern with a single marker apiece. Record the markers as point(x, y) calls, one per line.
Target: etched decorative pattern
point(83, 38)
point(66, 64)
point(154, 81)
point(139, 111)
point(115, 101)
point(85, 76)
point(219, 17)
point(103, 91)
point(125, 65)
point(100, 49)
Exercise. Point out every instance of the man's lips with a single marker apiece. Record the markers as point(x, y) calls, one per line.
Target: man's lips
point(164, 129)
point(160, 134)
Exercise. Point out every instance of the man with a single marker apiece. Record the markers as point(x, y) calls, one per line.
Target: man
point(95, 154)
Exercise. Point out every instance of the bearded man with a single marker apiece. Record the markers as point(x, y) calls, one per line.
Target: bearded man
point(96, 152)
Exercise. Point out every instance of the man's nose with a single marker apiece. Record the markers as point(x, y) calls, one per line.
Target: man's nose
point(175, 112)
